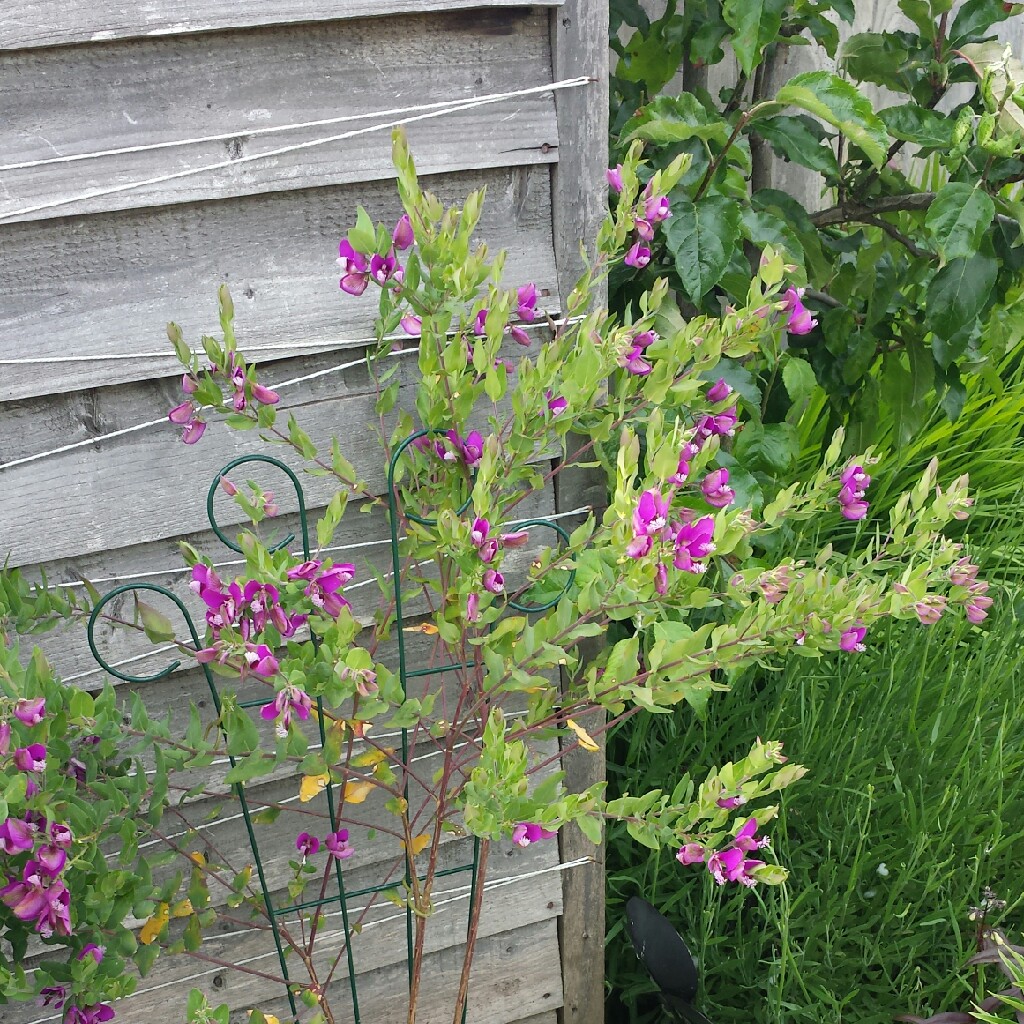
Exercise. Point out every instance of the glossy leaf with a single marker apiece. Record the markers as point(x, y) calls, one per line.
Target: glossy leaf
point(838, 103)
point(671, 119)
point(959, 218)
point(974, 19)
point(800, 140)
point(877, 57)
point(912, 123)
point(755, 24)
point(702, 237)
point(957, 294)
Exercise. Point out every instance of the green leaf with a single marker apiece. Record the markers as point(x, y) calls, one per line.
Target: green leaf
point(800, 140)
point(912, 123)
point(974, 19)
point(920, 13)
point(773, 446)
point(156, 626)
point(798, 376)
point(958, 219)
point(755, 23)
point(877, 57)
point(957, 294)
point(671, 119)
point(838, 103)
point(702, 238)
point(762, 229)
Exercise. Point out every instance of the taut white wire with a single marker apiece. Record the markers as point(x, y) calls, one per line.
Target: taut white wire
point(570, 83)
point(284, 384)
point(249, 132)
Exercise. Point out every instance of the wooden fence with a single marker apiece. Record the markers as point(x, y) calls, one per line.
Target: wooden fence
point(149, 153)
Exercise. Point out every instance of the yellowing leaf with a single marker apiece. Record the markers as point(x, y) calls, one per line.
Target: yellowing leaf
point(182, 909)
point(584, 737)
point(424, 627)
point(311, 786)
point(371, 757)
point(357, 791)
point(155, 925)
point(359, 729)
point(198, 858)
point(419, 843)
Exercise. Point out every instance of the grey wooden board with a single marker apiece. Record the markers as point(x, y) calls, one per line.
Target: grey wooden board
point(133, 271)
point(36, 23)
point(67, 648)
point(106, 97)
point(381, 946)
point(147, 486)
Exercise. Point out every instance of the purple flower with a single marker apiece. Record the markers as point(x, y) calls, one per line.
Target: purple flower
point(31, 758)
point(526, 296)
point(183, 413)
point(799, 319)
point(693, 543)
point(306, 844)
point(520, 337)
point(716, 489)
point(745, 837)
point(719, 391)
point(683, 467)
point(304, 571)
point(854, 481)
point(261, 661)
point(480, 323)
point(60, 835)
point(95, 1014)
point(16, 836)
point(525, 833)
point(193, 431)
point(51, 859)
point(661, 579)
point(644, 229)
point(638, 256)
point(288, 702)
point(516, 539)
point(730, 803)
point(851, 638)
point(402, 236)
point(473, 608)
point(91, 949)
point(963, 572)
point(5, 737)
point(265, 395)
point(354, 269)
point(479, 530)
point(338, 845)
point(260, 599)
point(722, 424)
point(412, 325)
point(855, 478)
point(38, 898)
point(556, 405)
point(930, 608)
point(978, 602)
point(30, 710)
point(494, 582)
point(656, 208)
point(691, 853)
point(52, 995)
point(614, 177)
point(650, 520)
point(382, 268)
point(632, 361)
point(472, 447)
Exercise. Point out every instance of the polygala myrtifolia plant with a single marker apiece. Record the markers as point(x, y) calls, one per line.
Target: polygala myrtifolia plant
point(75, 801)
point(912, 258)
point(676, 559)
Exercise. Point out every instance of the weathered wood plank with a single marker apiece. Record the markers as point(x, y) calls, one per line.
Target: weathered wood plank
point(148, 486)
point(135, 271)
point(37, 23)
point(378, 949)
point(64, 102)
point(580, 45)
point(363, 539)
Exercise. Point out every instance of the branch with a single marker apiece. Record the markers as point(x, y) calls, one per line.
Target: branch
point(852, 210)
point(893, 232)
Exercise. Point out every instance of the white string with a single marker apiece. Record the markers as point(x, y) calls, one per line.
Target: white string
point(495, 883)
point(284, 384)
point(249, 133)
point(571, 83)
point(107, 357)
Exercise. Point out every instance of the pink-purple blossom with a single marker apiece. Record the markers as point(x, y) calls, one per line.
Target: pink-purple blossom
point(338, 845)
point(288, 702)
point(799, 319)
point(650, 521)
point(656, 208)
point(493, 581)
point(412, 325)
point(693, 543)
point(98, 1013)
point(402, 236)
point(853, 485)
point(526, 302)
point(96, 952)
point(306, 844)
point(40, 899)
point(16, 836)
point(355, 270)
point(614, 177)
point(716, 489)
point(382, 268)
point(526, 833)
point(30, 710)
point(852, 639)
point(719, 391)
point(31, 758)
point(638, 256)
point(556, 403)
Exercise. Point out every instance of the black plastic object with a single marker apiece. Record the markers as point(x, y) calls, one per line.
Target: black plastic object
point(660, 948)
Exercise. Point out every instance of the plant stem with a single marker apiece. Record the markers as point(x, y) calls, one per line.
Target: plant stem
point(474, 924)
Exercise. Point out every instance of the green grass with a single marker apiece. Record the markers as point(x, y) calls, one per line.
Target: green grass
point(916, 751)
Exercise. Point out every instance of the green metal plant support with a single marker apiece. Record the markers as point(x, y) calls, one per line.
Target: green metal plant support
point(343, 896)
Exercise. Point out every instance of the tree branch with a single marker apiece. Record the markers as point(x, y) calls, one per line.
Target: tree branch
point(894, 232)
point(852, 210)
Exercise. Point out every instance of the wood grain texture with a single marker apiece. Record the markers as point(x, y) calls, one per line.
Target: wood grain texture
point(63, 102)
point(580, 45)
point(106, 285)
point(147, 486)
point(38, 23)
